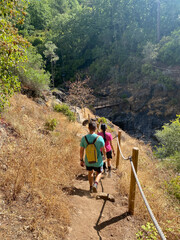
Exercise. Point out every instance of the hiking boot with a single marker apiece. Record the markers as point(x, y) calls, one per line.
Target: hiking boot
point(105, 172)
point(109, 174)
point(91, 189)
point(95, 188)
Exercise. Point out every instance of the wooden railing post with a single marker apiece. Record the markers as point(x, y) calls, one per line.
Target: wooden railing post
point(89, 118)
point(118, 152)
point(97, 127)
point(135, 153)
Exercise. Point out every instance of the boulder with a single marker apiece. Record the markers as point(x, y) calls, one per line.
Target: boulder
point(59, 95)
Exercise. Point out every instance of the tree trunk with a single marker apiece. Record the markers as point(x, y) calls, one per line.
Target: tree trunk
point(158, 20)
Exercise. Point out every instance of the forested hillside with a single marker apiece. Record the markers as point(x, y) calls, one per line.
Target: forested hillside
point(129, 50)
point(114, 40)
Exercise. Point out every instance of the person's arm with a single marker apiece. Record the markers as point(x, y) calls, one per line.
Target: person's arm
point(112, 147)
point(81, 156)
point(104, 151)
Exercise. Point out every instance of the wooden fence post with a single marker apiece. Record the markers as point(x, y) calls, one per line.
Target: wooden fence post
point(97, 127)
point(133, 181)
point(118, 152)
point(89, 118)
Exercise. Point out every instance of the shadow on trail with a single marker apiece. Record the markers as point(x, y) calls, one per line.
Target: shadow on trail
point(76, 191)
point(100, 215)
point(82, 176)
point(98, 227)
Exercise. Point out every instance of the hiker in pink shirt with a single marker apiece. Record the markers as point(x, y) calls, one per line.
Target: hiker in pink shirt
point(108, 146)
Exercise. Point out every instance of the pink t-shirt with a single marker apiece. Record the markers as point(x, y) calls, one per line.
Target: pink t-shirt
point(108, 139)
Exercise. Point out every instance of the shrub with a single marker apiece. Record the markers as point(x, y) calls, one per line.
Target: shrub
point(148, 232)
point(102, 120)
point(32, 73)
point(169, 49)
point(169, 138)
point(65, 110)
point(12, 48)
point(51, 124)
point(173, 187)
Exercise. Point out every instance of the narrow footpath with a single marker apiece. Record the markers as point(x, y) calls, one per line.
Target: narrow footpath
point(97, 218)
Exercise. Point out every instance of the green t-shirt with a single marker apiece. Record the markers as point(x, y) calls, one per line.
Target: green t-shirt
point(99, 144)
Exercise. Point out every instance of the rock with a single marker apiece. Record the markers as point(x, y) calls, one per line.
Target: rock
point(105, 196)
point(56, 101)
point(40, 101)
point(4, 167)
point(28, 92)
point(59, 95)
point(128, 218)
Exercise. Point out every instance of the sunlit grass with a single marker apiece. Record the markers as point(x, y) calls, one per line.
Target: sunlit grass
point(39, 165)
point(151, 177)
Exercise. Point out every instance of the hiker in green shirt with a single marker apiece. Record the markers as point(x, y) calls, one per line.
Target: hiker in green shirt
point(93, 145)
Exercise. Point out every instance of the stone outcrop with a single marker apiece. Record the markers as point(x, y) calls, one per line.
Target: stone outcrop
point(59, 95)
point(145, 110)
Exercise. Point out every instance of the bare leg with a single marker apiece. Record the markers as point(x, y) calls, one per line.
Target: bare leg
point(90, 177)
point(109, 162)
point(98, 177)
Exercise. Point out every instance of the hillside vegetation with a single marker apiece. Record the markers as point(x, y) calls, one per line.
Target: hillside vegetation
point(124, 51)
point(128, 49)
point(37, 164)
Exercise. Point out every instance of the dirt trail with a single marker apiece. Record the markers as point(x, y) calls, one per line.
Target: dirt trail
point(99, 219)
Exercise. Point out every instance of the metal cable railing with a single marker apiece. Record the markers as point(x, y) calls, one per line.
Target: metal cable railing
point(146, 203)
point(128, 158)
point(142, 194)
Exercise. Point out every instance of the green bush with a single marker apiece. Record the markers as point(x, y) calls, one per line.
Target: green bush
point(166, 81)
point(148, 232)
point(170, 48)
point(169, 138)
point(32, 73)
point(65, 110)
point(169, 146)
point(173, 187)
point(102, 120)
point(51, 124)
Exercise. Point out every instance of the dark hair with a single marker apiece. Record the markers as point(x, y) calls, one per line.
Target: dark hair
point(104, 127)
point(92, 125)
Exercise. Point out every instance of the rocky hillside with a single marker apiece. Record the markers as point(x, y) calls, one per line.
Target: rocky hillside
point(140, 108)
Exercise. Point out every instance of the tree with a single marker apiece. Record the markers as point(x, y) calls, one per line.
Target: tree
point(39, 14)
point(150, 53)
point(12, 47)
point(158, 20)
point(49, 53)
point(100, 35)
point(79, 93)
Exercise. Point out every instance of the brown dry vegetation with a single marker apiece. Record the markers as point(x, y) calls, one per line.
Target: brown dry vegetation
point(36, 165)
point(152, 176)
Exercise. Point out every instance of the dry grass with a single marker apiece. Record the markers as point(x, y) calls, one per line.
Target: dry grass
point(35, 167)
point(151, 177)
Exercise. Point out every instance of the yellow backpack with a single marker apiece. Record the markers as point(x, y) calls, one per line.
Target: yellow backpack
point(91, 151)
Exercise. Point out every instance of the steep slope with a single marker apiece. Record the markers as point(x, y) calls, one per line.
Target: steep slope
point(44, 191)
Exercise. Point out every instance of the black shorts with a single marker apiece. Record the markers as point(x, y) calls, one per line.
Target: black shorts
point(97, 169)
point(109, 154)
